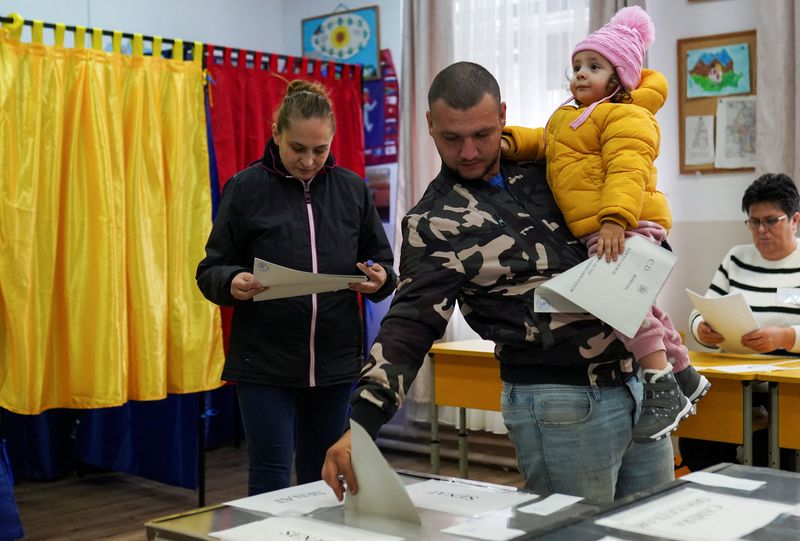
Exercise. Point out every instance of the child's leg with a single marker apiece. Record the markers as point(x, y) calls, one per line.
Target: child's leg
point(663, 403)
point(693, 384)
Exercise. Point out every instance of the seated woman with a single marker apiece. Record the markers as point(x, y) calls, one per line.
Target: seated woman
point(767, 274)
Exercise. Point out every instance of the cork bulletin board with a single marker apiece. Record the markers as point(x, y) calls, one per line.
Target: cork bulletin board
point(716, 102)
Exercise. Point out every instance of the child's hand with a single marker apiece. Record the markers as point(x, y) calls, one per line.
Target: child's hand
point(504, 146)
point(611, 241)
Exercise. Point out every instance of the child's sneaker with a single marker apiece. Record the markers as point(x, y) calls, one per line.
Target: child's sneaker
point(663, 406)
point(693, 384)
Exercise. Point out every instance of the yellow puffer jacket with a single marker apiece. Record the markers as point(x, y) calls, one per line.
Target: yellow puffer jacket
point(604, 169)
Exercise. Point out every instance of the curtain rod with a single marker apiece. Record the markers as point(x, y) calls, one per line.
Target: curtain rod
point(72, 28)
point(130, 35)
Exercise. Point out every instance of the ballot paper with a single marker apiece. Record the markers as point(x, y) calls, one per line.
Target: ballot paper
point(380, 490)
point(730, 316)
point(299, 528)
point(464, 499)
point(618, 292)
point(296, 500)
point(285, 282)
point(719, 480)
point(696, 515)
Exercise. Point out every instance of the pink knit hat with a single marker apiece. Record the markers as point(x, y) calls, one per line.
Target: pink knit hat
point(623, 41)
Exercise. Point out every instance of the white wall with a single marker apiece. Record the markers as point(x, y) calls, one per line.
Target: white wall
point(390, 22)
point(249, 24)
point(711, 196)
point(706, 209)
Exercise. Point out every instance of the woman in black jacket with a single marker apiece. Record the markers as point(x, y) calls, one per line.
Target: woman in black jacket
point(294, 359)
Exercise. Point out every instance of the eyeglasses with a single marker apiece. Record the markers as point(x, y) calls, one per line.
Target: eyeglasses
point(754, 224)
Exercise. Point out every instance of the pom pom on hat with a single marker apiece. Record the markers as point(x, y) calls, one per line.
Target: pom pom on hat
point(623, 41)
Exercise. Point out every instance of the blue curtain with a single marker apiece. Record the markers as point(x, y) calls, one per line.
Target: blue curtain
point(157, 440)
point(10, 526)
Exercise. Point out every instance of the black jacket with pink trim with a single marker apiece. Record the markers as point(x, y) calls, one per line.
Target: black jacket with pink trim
point(265, 213)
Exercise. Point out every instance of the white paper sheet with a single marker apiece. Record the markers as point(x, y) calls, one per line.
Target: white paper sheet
point(736, 132)
point(746, 368)
point(719, 480)
point(619, 292)
point(695, 515)
point(489, 529)
point(551, 504)
point(285, 282)
point(463, 499)
point(380, 490)
point(298, 500)
point(699, 147)
point(729, 315)
point(298, 528)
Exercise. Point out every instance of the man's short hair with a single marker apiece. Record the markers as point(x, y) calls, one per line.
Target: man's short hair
point(463, 85)
point(778, 189)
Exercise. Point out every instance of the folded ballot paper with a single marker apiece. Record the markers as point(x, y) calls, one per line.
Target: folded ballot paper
point(285, 282)
point(730, 316)
point(619, 292)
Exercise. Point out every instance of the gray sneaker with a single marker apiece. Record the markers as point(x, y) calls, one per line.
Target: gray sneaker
point(693, 384)
point(663, 406)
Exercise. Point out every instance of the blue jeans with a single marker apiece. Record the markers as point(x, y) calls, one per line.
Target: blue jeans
point(577, 440)
point(280, 422)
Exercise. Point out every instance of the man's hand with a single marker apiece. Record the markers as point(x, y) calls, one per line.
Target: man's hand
point(338, 469)
point(768, 339)
point(707, 335)
point(376, 275)
point(611, 241)
point(244, 286)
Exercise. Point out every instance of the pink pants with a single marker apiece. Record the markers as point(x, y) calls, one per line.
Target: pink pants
point(657, 332)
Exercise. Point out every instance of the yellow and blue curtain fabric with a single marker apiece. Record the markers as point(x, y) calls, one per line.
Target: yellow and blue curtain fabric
point(104, 212)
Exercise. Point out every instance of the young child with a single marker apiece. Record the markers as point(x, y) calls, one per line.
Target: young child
point(600, 156)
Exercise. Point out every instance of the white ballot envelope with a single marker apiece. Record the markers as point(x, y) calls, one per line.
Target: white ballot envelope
point(380, 490)
point(730, 316)
point(619, 292)
point(285, 282)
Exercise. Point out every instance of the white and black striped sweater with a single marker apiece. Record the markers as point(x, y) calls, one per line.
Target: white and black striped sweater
point(745, 271)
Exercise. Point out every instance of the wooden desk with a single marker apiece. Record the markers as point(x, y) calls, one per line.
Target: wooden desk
point(726, 412)
point(465, 375)
point(784, 411)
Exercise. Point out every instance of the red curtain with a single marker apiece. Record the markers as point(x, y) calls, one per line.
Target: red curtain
point(244, 94)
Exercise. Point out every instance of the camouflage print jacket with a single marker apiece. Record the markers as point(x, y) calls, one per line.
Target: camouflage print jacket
point(488, 249)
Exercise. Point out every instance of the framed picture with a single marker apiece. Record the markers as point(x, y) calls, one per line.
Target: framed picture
point(716, 102)
point(352, 37)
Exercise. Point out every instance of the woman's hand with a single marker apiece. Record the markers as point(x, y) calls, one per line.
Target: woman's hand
point(244, 286)
point(707, 335)
point(376, 276)
point(611, 241)
point(768, 339)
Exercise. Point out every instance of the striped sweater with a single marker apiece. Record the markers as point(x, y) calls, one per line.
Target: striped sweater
point(743, 270)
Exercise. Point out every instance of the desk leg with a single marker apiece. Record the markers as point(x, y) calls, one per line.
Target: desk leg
point(747, 422)
point(434, 419)
point(774, 451)
point(463, 463)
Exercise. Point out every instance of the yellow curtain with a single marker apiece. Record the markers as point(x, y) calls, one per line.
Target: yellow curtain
point(104, 212)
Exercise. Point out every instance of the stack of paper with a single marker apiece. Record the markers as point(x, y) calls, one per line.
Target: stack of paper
point(730, 316)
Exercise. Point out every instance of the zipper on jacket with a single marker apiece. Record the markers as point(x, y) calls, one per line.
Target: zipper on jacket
point(312, 354)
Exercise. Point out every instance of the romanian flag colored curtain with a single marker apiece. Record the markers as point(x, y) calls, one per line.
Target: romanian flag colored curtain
point(104, 213)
